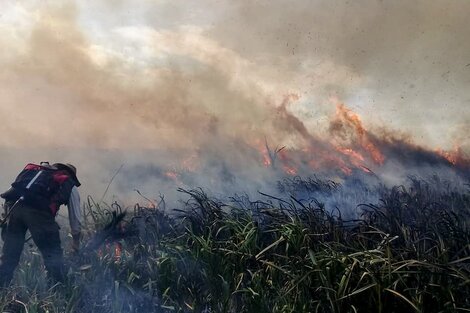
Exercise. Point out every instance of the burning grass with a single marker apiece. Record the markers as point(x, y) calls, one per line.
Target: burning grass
point(408, 252)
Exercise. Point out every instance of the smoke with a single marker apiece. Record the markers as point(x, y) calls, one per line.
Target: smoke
point(406, 61)
point(184, 95)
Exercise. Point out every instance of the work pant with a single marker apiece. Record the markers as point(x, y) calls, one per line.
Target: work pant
point(45, 233)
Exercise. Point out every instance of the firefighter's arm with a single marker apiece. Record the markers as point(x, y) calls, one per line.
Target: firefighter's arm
point(75, 217)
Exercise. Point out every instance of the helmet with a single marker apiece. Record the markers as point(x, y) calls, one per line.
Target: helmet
point(72, 170)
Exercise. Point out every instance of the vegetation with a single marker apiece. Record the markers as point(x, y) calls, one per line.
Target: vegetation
point(409, 252)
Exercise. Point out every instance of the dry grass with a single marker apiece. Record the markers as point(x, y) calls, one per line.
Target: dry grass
point(409, 252)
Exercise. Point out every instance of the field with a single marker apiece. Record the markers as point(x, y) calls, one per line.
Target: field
point(407, 252)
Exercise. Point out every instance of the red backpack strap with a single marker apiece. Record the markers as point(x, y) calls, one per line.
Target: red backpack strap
point(33, 167)
point(60, 177)
point(64, 184)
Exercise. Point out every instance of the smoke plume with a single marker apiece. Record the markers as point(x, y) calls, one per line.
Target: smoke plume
point(233, 95)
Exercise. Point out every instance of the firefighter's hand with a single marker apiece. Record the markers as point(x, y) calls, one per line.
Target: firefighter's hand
point(76, 242)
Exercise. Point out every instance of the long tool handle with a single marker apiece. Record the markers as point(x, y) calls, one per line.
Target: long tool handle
point(5, 219)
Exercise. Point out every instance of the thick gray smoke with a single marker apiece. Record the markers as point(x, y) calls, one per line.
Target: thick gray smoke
point(201, 94)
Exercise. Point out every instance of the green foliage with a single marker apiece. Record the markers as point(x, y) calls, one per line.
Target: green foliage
point(408, 253)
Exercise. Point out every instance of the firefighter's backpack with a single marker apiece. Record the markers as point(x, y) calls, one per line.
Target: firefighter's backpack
point(36, 180)
point(35, 183)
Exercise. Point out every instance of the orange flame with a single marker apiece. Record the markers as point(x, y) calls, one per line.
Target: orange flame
point(117, 251)
point(355, 157)
point(266, 160)
point(351, 119)
point(263, 151)
point(456, 156)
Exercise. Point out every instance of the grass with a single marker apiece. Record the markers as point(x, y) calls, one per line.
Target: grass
point(408, 252)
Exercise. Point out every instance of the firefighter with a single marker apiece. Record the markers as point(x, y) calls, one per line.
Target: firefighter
point(31, 204)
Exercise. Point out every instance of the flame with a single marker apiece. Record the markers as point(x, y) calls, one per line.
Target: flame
point(287, 163)
point(117, 251)
point(355, 157)
point(353, 154)
point(354, 151)
point(351, 147)
point(266, 160)
point(346, 117)
point(455, 157)
point(448, 155)
point(319, 154)
point(262, 149)
point(114, 249)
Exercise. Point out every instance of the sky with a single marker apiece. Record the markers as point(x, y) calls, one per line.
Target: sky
point(157, 85)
